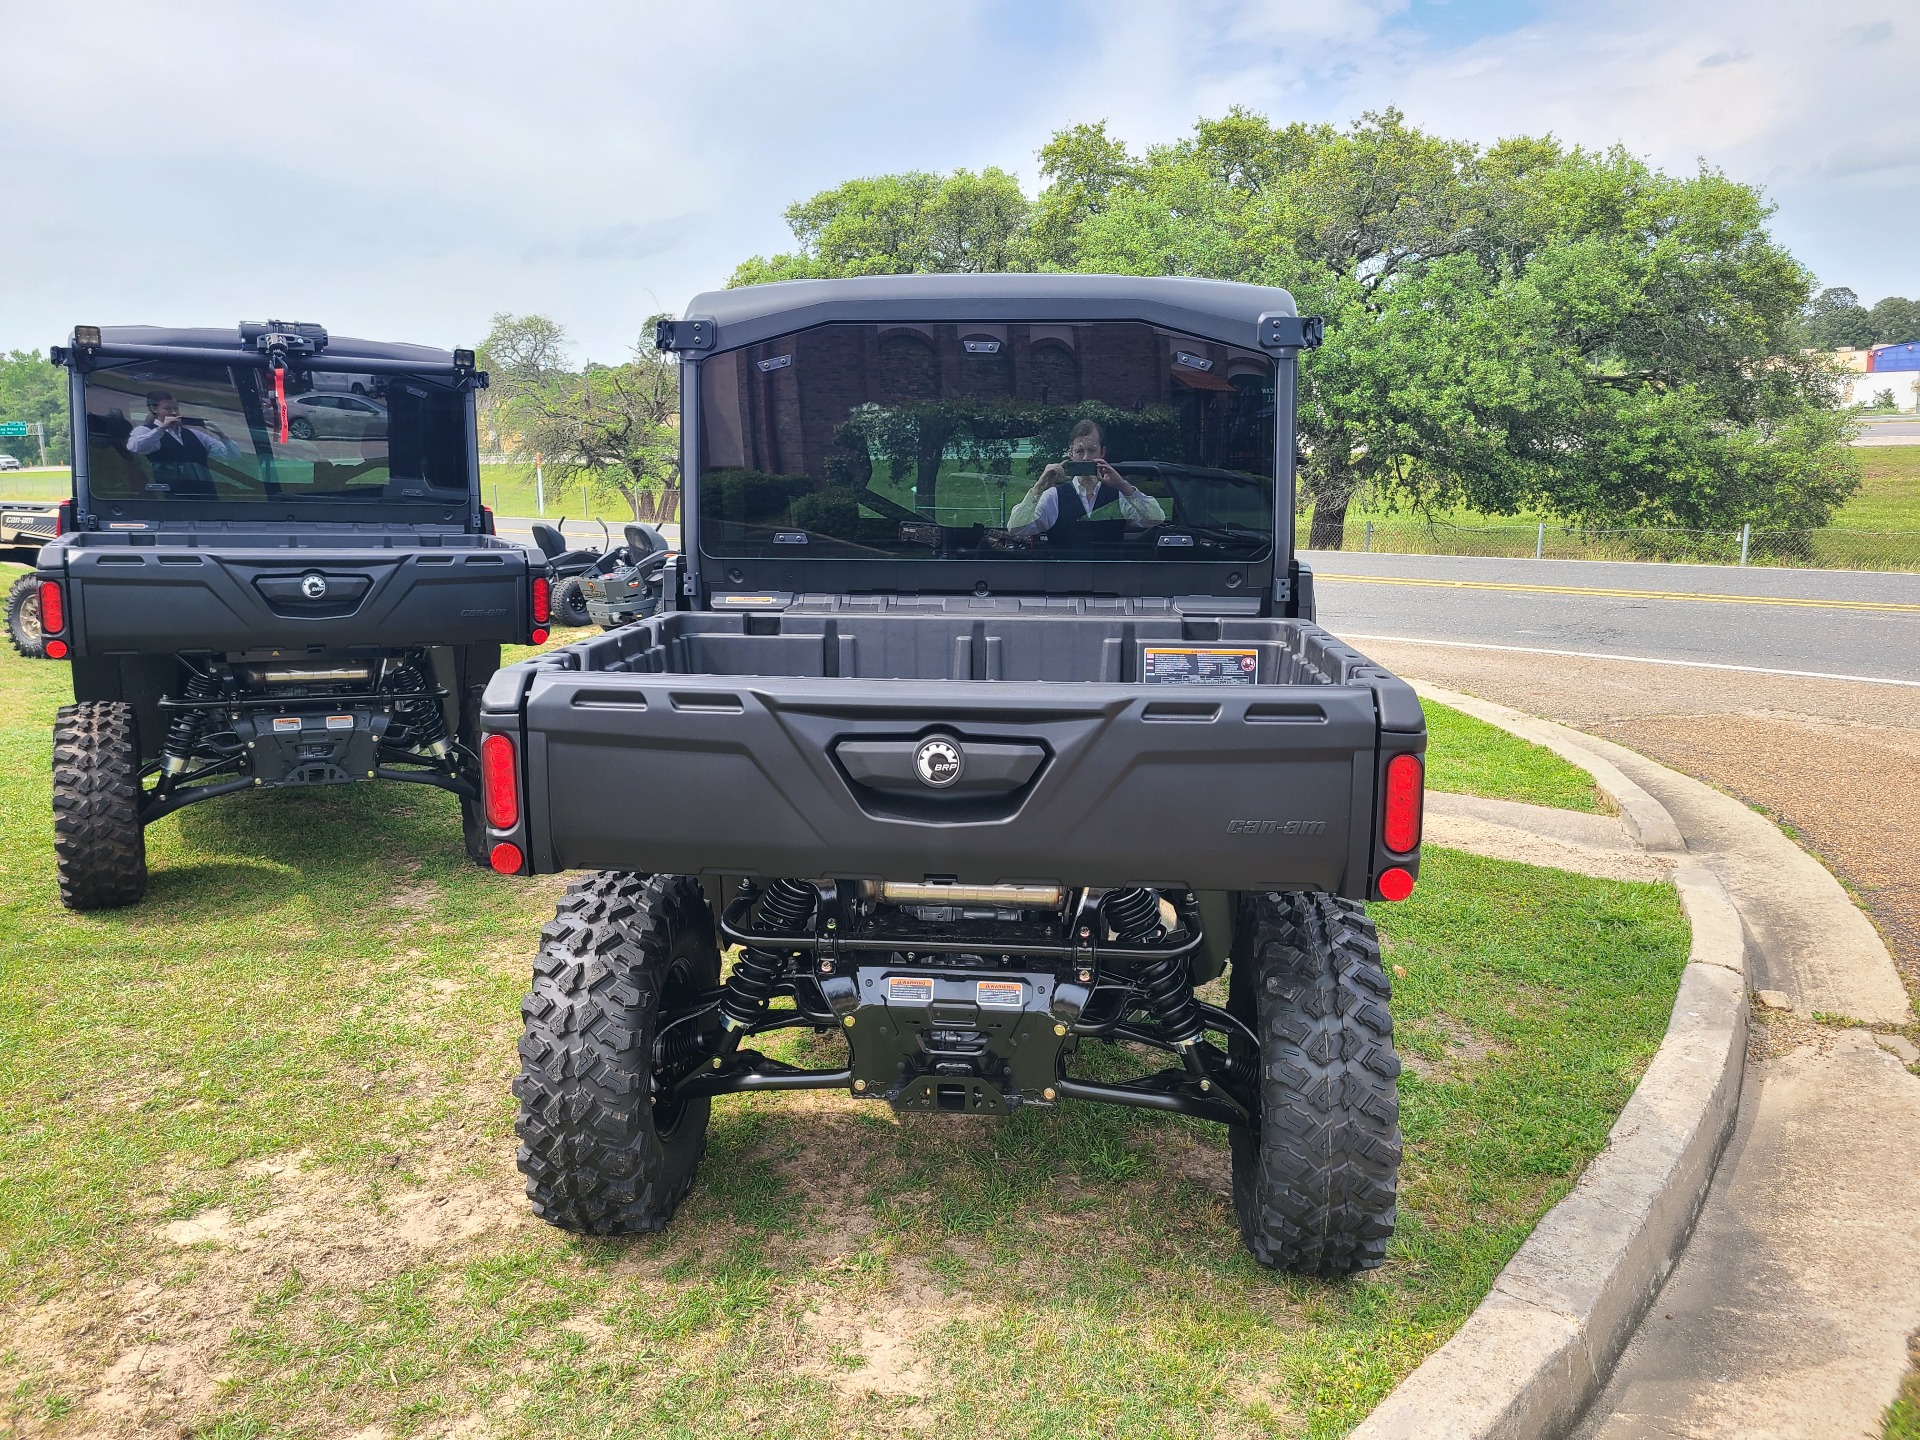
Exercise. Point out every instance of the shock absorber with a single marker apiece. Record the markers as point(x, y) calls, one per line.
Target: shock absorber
point(784, 906)
point(1166, 993)
point(426, 726)
point(184, 733)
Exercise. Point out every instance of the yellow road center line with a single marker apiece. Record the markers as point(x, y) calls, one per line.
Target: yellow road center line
point(1885, 606)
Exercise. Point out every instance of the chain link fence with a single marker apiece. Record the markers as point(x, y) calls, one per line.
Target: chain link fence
point(1824, 549)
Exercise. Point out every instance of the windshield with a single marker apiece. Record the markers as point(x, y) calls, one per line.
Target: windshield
point(167, 431)
point(1109, 440)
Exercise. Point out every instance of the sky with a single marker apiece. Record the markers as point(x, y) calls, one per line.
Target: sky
point(404, 171)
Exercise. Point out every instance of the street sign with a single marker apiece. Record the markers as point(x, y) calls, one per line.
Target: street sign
point(13, 427)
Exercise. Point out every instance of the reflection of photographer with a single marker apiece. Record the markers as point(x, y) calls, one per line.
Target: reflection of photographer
point(1065, 499)
point(177, 448)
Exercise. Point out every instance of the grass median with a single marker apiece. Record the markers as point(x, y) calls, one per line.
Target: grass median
point(257, 1177)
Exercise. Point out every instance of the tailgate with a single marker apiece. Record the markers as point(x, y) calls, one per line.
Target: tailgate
point(152, 600)
point(1083, 784)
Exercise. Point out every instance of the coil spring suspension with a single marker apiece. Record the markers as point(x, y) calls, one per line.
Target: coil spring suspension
point(1163, 985)
point(785, 905)
point(184, 733)
point(426, 726)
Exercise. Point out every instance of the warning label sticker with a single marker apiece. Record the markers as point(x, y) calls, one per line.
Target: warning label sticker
point(909, 989)
point(1199, 665)
point(1006, 993)
point(339, 722)
point(284, 723)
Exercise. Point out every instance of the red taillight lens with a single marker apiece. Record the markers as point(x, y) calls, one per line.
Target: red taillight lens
point(1395, 884)
point(486, 520)
point(56, 649)
point(500, 782)
point(506, 858)
point(63, 519)
point(539, 636)
point(542, 599)
point(1400, 826)
point(53, 608)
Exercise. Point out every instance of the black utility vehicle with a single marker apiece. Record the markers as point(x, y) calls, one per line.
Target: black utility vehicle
point(990, 722)
point(25, 526)
point(249, 602)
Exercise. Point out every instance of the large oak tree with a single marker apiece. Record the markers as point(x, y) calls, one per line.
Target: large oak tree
point(1524, 326)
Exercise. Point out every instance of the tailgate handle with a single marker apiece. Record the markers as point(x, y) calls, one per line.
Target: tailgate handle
point(985, 769)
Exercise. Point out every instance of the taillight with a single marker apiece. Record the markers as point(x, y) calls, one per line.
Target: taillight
point(486, 520)
point(1400, 824)
point(500, 782)
point(542, 599)
point(53, 608)
point(506, 858)
point(1395, 884)
point(63, 519)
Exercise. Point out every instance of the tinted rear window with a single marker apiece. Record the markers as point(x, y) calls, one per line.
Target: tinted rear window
point(1107, 440)
point(216, 433)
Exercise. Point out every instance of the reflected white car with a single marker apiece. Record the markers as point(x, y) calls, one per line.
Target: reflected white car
point(329, 416)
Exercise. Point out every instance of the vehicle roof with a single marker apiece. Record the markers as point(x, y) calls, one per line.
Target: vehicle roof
point(1223, 310)
point(208, 337)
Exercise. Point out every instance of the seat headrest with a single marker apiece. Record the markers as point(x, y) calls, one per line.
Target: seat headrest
point(550, 540)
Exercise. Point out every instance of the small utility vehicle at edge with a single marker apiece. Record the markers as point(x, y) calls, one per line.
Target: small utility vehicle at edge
point(275, 570)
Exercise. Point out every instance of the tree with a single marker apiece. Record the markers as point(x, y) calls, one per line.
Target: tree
point(899, 224)
point(522, 350)
point(1895, 321)
point(611, 426)
point(33, 391)
point(1836, 320)
point(1521, 326)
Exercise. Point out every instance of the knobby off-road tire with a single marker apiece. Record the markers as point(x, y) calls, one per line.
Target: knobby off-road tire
point(570, 603)
point(23, 617)
point(1314, 1183)
point(600, 1156)
point(99, 847)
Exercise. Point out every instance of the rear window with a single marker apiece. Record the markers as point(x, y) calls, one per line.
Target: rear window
point(217, 433)
point(1107, 440)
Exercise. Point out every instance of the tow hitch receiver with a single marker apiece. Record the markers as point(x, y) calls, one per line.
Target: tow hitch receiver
point(965, 1042)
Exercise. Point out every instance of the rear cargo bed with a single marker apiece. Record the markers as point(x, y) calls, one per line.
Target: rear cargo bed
point(787, 743)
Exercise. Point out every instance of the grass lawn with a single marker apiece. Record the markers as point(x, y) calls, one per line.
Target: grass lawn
point(1889, 494)
point(257, 1173)
point(1471, 757)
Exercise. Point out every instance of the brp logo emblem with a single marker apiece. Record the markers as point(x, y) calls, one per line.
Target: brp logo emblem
point(939, 763)
point(313, 586)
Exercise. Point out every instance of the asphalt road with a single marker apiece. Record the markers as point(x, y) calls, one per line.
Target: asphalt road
point(1904, 430)
point(1810, 622)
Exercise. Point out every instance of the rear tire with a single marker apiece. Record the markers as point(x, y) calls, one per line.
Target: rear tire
point(1314, 1184)
point(99, 846)
point(570, 603)
point(601, 1155)
point(23, 617)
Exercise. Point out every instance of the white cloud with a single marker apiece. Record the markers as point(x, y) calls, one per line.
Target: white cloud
point(407, 170)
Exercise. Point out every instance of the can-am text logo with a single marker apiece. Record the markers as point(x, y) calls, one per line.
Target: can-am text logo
point(313, 586)
point(1276, 827)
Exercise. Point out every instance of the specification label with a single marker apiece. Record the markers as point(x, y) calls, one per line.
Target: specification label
point(1199, 665)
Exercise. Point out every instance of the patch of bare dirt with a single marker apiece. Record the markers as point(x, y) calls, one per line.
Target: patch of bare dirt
point(140, 1355)
point(1466, 1050)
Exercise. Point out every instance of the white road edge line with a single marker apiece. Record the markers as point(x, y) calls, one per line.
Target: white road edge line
point(1637, 660)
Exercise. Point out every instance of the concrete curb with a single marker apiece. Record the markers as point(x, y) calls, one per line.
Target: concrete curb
point(1646, 818)
point(1542, 1343)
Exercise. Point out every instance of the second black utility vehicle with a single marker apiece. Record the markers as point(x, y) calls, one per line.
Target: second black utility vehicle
point(252, 597)
point(992, 725)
